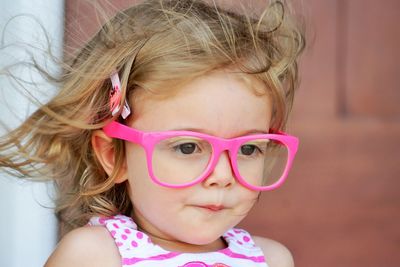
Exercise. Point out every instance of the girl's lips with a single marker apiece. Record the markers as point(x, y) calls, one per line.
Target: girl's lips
point(212, 207)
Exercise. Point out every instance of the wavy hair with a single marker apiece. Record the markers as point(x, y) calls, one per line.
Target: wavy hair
point(158, 46)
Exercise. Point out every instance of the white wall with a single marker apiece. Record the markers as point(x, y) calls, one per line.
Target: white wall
point(28, 231)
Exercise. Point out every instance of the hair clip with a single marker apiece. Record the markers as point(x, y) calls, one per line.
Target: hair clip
point(115, 97)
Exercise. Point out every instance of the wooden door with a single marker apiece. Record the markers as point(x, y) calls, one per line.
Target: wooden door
point(341, 203)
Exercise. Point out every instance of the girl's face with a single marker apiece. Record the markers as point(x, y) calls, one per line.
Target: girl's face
point(221, 104)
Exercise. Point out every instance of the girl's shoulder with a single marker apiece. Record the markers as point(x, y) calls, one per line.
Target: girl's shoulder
point(275, 253)
point(85, 246)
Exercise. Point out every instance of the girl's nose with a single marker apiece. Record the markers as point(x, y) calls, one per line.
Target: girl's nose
point(222, 175)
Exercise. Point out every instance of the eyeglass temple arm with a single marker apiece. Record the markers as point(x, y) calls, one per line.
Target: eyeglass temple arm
point(273, 131)
point(121, 131)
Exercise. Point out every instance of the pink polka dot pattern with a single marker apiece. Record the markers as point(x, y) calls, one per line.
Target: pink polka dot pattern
point(125, 233)
point(134, 243)
point(239, 237)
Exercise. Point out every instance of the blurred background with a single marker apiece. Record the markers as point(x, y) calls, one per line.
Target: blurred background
point(340, 206)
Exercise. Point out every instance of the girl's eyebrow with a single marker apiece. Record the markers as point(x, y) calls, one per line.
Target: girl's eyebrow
point(244, 133)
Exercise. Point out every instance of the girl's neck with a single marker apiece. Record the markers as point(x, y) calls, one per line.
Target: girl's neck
point(177, 246)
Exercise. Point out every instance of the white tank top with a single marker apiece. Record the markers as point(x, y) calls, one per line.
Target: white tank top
point(136, 248)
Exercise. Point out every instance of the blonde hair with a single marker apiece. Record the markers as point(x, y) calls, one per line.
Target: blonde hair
point(158, 46)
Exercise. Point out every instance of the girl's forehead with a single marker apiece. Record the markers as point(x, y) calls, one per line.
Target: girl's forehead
point(225, 78)
point(220, 102)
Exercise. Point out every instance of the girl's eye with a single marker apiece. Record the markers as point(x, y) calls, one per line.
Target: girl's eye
point(249, 150)
point(187, 148)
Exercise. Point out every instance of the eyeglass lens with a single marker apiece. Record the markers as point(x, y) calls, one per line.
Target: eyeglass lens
point(180, 160)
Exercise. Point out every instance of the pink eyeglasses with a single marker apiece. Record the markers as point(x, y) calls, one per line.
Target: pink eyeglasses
point(178, 159)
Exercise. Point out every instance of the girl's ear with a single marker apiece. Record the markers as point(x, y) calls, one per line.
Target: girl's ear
point(105, 153)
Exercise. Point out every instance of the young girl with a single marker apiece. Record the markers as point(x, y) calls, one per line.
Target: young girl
point(168, 125)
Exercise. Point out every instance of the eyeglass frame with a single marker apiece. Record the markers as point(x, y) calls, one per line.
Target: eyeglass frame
point(148, 140)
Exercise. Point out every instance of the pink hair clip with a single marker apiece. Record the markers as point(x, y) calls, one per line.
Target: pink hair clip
point(115, 97)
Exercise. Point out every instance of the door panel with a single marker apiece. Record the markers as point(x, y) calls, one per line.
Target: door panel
point(341, 203)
